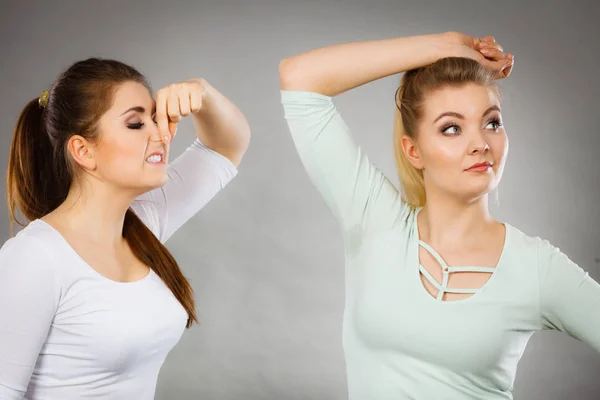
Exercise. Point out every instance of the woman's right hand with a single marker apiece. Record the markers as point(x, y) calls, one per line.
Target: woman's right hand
point(484, 50)
point(337, 68)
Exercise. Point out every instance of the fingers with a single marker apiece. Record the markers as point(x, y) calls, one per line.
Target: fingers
point(488, 53)
point(181, 107)
point(491, 50)
point(494, 65)
point(503, 67)
point(184, 101)
point(495, 57)
point(172, 129)
point(175, 102)
point(492, 53)
point(508, 66)
point(173, 111)
point(488, 39)
point(195, 101)
point(162, 118)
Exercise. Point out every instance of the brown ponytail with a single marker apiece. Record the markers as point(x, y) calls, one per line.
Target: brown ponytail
point(151, 251)
point(41, 170)
point(33, 185)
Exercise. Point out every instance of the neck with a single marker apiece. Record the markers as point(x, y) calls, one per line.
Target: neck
point(447, 222)
point(99, 216)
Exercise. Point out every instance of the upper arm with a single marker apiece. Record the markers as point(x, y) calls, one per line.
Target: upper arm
point(569, 297)
point(29, 297)
point(194, 178)
point(354, 189)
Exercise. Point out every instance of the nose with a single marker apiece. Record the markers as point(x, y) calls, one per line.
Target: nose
point(478, 143)
point(155, 135)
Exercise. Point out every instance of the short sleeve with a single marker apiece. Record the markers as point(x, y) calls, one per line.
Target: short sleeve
point(569, 297)
point(29, 297)
point(194, 178)
point(356, 192)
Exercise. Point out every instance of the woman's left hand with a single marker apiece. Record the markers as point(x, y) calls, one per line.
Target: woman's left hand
point(176, 101)
point(492, 51)
point(484, 50)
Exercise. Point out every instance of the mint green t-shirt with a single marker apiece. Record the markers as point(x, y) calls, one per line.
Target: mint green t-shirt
point(399, 341)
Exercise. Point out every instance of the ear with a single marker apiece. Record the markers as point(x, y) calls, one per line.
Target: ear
point(411, 151)
point(82, 152)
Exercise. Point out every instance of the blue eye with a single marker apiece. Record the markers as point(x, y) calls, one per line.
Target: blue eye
point(496, 124)
point(450, 130)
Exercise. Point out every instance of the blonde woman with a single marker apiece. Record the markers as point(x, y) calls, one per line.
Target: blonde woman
point(441, 298)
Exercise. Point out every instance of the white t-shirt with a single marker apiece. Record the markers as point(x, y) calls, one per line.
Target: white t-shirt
point(66, 331)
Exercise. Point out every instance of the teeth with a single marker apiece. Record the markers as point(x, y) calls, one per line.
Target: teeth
point(154, 159)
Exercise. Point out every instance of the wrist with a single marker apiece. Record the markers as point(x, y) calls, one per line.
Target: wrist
point(447, 43)
point(427, 49)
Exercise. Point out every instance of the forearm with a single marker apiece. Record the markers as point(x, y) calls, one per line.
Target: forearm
point(335, 69)
point(221, 126)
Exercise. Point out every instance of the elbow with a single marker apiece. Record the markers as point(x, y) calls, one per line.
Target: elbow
point(242, 143)
point(290, 74)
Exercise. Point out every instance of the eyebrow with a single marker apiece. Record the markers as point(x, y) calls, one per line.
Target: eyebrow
point(457, 115)
point(139, 109)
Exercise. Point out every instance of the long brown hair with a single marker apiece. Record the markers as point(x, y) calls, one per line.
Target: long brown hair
point(415, 84)
point(41, 170)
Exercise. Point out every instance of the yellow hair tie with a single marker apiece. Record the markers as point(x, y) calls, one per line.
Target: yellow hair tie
point(43, 100)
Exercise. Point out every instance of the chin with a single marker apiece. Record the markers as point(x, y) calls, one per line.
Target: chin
point(159, 182)
point(480, 192)
point(147, 184)
point(476, 190)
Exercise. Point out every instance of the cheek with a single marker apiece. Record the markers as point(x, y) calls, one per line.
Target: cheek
point(498, 143)
point(442, 152)
point(120, 150)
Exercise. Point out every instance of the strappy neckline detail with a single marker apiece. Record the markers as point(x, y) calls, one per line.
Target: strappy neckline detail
point(446, 271)
point(443, 288)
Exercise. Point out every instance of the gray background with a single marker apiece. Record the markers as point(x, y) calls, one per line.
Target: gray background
point(265, 257)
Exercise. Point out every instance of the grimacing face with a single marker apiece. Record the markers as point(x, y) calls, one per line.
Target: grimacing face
point(130, 153)
point(461, 144)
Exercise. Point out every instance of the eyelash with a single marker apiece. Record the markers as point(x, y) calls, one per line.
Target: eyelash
point(139, 125)
point(495, 121)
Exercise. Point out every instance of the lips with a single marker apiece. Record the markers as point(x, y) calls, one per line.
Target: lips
point(482, 166)
point(156, 157)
